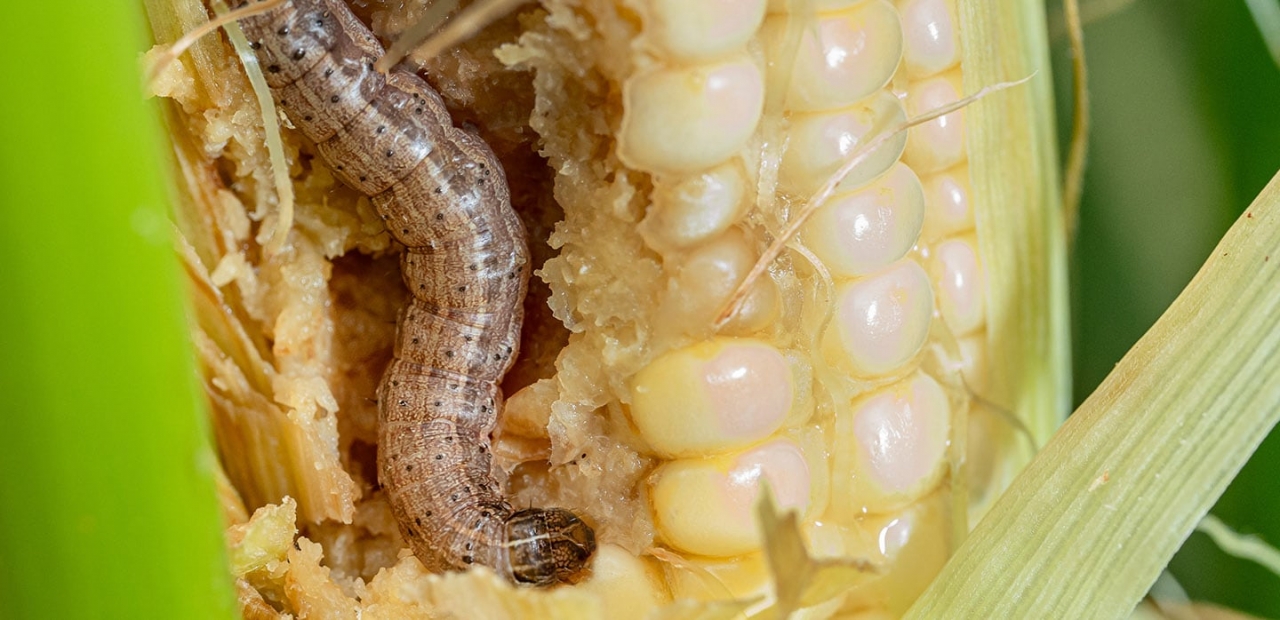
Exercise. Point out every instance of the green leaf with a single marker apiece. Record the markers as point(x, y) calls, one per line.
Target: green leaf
point(1089, 525)
point(107, 505)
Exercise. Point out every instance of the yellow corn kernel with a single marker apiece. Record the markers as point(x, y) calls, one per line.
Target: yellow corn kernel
point(686, 118)
point(713, 396)
point(628, 586)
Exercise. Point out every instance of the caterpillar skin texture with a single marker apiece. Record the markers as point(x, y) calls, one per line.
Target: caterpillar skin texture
point(441, 193)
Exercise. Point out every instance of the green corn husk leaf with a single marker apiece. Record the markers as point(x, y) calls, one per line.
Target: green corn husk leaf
point(1085, 530)
point(107, 505)
point(1013, 169)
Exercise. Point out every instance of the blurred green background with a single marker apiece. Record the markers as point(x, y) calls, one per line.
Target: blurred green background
point(1186, 132)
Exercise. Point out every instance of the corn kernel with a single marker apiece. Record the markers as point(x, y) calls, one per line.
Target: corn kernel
point(961, 285)
point(710, 579)
point(699, 29)
point(880, 321)
point(712, 397)
point(932, 44)
point(820, 143)
point(706, 277)
point(848, 56)
point(913, 543)
point(629, 585)
point(946, 203)
point(686, 119)
point(939, 143)
point(707, 506)
point(694, 208)
point(890, 447)
point(863, 231)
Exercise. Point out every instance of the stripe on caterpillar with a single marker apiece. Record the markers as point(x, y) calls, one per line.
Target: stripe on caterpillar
point(443, 194)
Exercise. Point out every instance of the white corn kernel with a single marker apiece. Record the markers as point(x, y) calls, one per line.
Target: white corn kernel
point(628, 585)
point(847, 56)
point(820, 143)
point(706, 277)
point(690, 118)
point(939, 143)
point(698, 29)
point(690, 209)
point(890, 447)
point(946, 203)
point(880, 321)
point(757, 311)
point(712, 397)
point(707, 506)
point(961, 285)
point(859, 232)
point(932, 43)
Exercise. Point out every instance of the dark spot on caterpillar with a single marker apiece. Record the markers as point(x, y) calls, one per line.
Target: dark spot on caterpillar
point(273, 68)
point(298, 54)
point(468, 559)
point(448, 353)
point(439, 457)
point(437, 403)
point(335, 99)
point(328, 72)
point(468, 546)
point(283, 31)
point(439, 217)
point(256, 45)
point(439, 190)
point(390, 153)
point(418, 110)
point(418, 520)
point(382, 129)
point(363, 178)
point(408, 467)
point(453, 498)
point(307, 118)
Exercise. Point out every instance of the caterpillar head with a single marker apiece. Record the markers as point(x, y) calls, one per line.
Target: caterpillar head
point(548, 546)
